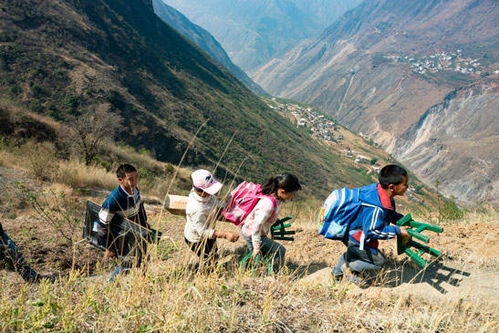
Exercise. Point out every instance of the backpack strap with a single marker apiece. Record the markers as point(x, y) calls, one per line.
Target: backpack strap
point(272, 199)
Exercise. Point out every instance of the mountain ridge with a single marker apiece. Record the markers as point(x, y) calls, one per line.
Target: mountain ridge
point(252, 32)
point(384, 64)
point(204, 40)
point(61, 59)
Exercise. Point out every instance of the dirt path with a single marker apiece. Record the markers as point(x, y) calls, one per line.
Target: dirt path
point(441, 284)
point(469, 269)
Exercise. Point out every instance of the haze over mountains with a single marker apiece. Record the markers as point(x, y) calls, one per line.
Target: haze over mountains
point(254, 31)
point(62, 59)
point(204, 40)
point(418, 77)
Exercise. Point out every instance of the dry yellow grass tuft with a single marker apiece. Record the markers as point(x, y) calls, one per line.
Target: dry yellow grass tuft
point(78, 175)
point(7, 159)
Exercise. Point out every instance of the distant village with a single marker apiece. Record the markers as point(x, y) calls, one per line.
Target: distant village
point(325, 129)
point(319, 126)
point(439, 61)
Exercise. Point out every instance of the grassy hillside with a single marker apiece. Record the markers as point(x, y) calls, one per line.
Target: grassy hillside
point(45, 219)
point(62, 59)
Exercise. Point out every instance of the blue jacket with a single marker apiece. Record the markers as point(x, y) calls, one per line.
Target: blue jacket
point(373, 219)
point(126, 205)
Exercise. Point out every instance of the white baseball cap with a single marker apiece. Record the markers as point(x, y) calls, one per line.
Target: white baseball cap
point(203, 179)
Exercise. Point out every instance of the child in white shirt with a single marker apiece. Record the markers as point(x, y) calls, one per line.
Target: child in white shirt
point(202, 203)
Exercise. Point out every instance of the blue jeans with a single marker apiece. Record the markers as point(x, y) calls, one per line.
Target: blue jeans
point(10, 253)
point(269, 248)
point(359, 260)
point(135, 257)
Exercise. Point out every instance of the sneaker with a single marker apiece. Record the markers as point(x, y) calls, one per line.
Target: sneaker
point(353, 277)
point(337, 278)
point(52, 278)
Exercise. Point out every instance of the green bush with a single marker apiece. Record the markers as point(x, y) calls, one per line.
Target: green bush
point(15, 90)
point(419, 188)
point(169, 168)
point(451, 211)
point(37, 91)
point(71, 103)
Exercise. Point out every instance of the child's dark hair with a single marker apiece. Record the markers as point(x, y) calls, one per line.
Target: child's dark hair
point(391, 174)
point(286, 181)
point(123, 169)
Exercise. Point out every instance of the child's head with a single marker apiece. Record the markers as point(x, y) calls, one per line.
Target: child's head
point(204, 184)
point(127, 176)
point(394, 178)
point(283, 187)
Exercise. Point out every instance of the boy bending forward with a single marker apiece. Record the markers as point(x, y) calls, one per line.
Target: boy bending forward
point(372, 224)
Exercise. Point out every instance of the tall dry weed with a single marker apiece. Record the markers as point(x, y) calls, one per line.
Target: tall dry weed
point(7, 158)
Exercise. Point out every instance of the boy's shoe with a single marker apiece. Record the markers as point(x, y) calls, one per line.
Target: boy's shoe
point(337, 278)
point(52, 278)
point(117, 271)
point(353, 277)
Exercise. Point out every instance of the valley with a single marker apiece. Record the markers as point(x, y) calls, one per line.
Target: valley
point(384, 66)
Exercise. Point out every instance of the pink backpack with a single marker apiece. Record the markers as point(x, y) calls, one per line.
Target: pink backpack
point(242, 200)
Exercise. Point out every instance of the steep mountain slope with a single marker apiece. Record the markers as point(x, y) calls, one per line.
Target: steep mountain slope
point(254, 31)
point(385, 64)
point(455, 142)
point(204, 40)
point(62, 58)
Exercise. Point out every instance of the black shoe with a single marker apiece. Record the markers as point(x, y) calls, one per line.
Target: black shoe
point(338, 278)
point(52, 278)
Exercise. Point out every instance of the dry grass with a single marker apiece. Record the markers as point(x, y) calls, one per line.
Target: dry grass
point(6, 159)
point(39, 161)
point(129, 155)
point(171, 298)
point(78, 175)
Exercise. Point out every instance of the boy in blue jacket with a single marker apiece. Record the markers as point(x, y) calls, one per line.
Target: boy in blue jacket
point(372, 224)
point(125, 201)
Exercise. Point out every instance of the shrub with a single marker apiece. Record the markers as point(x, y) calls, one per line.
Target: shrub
point(58, 209)
point(418, 188)
point(37, 91)
point(15, 90)
point(39, 159)
point(169, 168)
point(85, 135)
point(451, 211)
point(71, 103)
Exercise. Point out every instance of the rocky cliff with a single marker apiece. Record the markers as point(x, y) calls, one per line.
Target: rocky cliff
point(382, 66)
point(455, 143)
